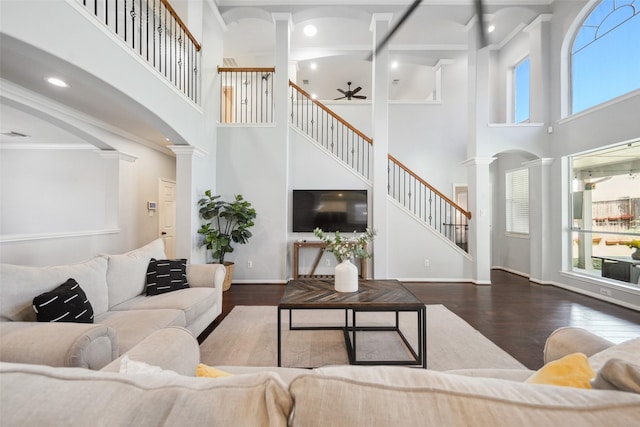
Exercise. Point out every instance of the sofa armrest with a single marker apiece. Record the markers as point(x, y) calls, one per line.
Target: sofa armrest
point(83, 345)
point(173, 348)
point(206, 275)
point(569, 340)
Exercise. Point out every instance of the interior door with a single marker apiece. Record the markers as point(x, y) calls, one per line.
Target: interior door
point(167, 215)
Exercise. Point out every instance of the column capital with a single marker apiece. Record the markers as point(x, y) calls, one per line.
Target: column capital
point(283, 16)
point(380, 17)
point(187, 150)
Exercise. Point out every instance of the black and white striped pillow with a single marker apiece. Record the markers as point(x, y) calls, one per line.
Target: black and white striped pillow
point(166, 275)
point(66, 303)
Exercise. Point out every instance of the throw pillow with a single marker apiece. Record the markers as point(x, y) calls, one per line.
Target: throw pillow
point(66, 303)
point(573, 370)
point(128, 366)
point(618, 374)
point(166, 275)
point(203, 370)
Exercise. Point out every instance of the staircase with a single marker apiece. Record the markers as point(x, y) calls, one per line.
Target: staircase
point(354, 149)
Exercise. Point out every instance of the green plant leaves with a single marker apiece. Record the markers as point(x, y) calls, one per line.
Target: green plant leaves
point(229, 223)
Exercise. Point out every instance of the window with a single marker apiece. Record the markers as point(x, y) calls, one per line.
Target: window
point(605, 55)
point(517, 201)
point(606, 211)
point(521, 81)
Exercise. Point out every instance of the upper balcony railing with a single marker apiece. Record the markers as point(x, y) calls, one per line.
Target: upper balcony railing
point(246, 95)
point(155, 31)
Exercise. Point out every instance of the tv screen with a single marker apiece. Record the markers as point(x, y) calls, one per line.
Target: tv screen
point(330, 210)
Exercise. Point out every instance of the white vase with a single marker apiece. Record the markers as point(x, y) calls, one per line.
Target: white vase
point(346, 279)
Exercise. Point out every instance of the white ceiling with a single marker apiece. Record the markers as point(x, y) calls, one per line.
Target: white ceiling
point(436, 31)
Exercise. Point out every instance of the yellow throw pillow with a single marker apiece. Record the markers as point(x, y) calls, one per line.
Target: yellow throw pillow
point(572, 370)
point(203, 370)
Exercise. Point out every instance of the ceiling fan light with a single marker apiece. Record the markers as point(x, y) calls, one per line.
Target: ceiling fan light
point(310, 30)
point(491, 28)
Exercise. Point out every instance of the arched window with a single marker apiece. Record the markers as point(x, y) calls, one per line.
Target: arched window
point(605, 56)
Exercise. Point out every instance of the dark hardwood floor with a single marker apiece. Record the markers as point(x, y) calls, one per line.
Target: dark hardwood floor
point(514, 313)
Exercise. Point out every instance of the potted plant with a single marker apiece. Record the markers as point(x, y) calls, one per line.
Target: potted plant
point(345, 248)
point(225, 223)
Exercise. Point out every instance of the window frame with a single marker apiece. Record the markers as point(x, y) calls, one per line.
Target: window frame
point(512, 229)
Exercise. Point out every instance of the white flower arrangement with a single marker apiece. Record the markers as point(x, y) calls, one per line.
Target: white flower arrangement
point(345, 248)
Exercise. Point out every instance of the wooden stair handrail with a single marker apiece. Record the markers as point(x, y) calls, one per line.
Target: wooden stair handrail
point(181, 24)
point(246, 70)
point(426, 184)
point(333, 114)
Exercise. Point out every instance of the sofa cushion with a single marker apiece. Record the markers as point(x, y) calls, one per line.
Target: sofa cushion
point(39, 395)
point(127, 273)
point(20, 284)
point(132, 326)
point(628, 351)
point(617, 374)
point(66, 303)
point(166, 275)
point(386, 395)
point(193, 301)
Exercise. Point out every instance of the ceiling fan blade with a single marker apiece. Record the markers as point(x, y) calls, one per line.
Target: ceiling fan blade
point(342, 92)
point(482, 34)
point(356, 90)
point(342, 97)
point(386, 38)
point(360, 96)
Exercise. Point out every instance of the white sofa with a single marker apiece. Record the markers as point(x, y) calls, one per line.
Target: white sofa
point(328, 396)
point(123, 314)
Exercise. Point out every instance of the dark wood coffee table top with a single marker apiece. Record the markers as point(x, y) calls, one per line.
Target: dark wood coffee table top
point(373, 294)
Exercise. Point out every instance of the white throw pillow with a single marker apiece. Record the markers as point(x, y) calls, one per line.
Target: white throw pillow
point(128, 366)
point(126, 275)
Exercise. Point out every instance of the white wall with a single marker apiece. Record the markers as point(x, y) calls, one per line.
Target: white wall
point(77, 188)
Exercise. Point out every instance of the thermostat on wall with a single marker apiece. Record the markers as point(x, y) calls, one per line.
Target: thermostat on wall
point(152, 206)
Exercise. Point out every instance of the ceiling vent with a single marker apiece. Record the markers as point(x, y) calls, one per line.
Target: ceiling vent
point(229, 62)
point(395, 81)
point(305, 82)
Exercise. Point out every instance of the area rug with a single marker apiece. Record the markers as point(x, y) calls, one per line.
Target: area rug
point(248, 337)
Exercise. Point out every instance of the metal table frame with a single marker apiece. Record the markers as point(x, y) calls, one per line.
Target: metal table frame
point(419, 354)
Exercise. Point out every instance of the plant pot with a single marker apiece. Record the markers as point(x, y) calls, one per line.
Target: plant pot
point(636, 254)
point(229, 266)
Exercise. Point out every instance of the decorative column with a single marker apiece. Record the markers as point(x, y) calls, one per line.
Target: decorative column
point(187, 220)
point(539, 34)
point(479, 201)
point(539, 218)
point(380, 120)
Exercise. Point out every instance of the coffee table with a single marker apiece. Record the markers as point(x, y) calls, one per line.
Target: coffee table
point(372, 295)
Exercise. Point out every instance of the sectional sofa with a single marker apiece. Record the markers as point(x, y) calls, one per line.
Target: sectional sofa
point(114, 290)
point(160, 389)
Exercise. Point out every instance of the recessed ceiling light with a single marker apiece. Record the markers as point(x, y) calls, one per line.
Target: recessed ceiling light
point(310, 30)
point(491, 28)
point(314, 96)
point(394, 65)
point(313, 65)
point(57, 82)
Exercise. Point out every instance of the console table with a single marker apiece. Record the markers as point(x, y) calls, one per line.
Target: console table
point(320, 249)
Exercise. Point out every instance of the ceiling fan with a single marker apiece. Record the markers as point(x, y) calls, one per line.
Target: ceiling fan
point(349, 94)
point(479, 8)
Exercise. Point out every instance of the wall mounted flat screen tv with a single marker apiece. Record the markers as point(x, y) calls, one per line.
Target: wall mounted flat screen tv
point(330, 210)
